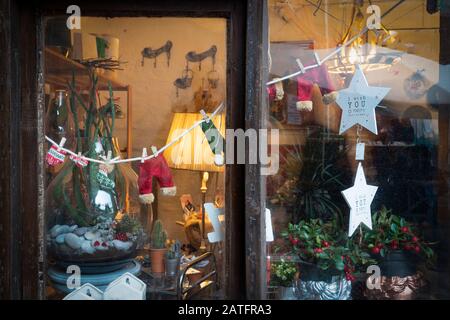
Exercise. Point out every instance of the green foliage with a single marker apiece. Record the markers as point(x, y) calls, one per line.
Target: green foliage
point(78, 198)
point(283, 273)
point(128, 224)
point(313, 180)
point(325, 245)
point(392, 232)
point(158, 236)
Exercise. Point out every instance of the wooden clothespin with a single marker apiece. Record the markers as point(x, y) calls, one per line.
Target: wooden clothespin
point(317, 59)
point(300, 65)
point(144, 155)
point(204, 115)
point(108, 159)
point(154, 150)
point(61, 143)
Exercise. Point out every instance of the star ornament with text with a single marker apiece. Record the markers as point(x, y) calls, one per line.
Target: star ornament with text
point(359, 198)
point(358, 103)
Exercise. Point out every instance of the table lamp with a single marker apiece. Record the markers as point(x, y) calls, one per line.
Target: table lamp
point(193, 151)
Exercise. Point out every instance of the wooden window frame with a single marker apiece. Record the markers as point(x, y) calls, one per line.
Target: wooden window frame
point(22, 235)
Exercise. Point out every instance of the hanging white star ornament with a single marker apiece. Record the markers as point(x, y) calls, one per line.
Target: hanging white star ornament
point(359, 198)
point(358, 103)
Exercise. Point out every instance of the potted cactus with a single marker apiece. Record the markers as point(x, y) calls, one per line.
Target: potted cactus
point(173, 256)
point(158, 247)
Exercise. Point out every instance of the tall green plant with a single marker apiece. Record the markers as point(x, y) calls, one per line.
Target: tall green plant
point(314, 177)
point(93, 139)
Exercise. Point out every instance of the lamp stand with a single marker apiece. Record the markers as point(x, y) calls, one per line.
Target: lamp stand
point(203, 189)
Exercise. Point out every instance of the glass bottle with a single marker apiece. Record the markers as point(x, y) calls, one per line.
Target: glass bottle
point(59, 121)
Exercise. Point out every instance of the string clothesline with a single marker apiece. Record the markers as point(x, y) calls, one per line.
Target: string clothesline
point(156, 152)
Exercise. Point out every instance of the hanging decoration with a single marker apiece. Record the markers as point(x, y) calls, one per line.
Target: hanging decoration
point(104, 180)
point(358, 103)
point(186, 79)
point(79, 160)
point(155, 167)
point(359, 198)
point(416, 85)
point(305, 84)
point(193, 56)
point(215, 139)
point(56, 154)
point(150, 53)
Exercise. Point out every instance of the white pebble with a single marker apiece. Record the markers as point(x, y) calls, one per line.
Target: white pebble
point(81, 231)
point(60, 239)
point(121, 245)
point(91, 235)
point(61, 229)
point(73, 241)
point(87, 247)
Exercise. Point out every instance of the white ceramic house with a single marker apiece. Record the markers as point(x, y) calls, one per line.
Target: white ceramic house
point(126, 287)
point(85, 292)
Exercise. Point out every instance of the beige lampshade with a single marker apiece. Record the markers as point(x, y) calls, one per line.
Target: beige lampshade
point(192, 152)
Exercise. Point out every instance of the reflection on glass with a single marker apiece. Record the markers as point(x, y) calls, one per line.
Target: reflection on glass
point(310, 217)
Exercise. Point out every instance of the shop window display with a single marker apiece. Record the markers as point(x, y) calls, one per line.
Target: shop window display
point(356, 206)
point(119, 187)
point(134, 188)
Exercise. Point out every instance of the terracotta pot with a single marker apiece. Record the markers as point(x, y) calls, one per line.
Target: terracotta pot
point(157, 260)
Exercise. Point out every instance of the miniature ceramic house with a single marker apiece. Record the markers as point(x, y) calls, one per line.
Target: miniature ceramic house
point(126, 287)
point(85, 292)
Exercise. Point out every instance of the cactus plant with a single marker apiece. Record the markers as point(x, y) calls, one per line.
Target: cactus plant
point(174, 251)
point(159, 236)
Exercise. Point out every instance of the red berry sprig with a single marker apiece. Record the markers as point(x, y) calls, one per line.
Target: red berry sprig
point(122, 236)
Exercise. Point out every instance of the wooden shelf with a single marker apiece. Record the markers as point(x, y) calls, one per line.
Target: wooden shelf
point(58, 72)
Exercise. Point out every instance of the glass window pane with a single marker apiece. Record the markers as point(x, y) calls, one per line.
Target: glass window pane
point(359, 92)
point(113, 88)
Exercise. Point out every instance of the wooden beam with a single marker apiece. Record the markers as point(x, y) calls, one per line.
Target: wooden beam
point(235, 259)
point(31, 159)
point(10, 287)
point(255, 118)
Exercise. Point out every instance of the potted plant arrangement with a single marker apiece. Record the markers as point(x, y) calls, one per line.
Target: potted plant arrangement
point(283, 275)
point(173, 256)
point(328, 259)
point(398, 249)
point(85, 198)
point(311, 179)
point(158, 247)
